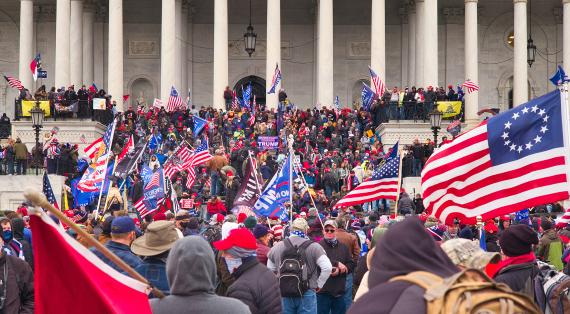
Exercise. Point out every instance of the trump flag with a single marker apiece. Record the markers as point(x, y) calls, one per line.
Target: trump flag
point(512, 161)
point(69, 278)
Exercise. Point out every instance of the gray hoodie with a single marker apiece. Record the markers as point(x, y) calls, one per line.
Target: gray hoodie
point(191, 271)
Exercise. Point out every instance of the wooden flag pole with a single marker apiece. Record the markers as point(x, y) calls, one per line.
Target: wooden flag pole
point(39, 200)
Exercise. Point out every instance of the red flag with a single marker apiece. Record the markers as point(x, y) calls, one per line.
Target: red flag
point(125, 98)
point(69, 277)
point(129, 146)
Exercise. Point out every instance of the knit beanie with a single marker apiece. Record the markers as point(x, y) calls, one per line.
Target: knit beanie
point(518, 240)
point(250, 222)
point(466, 233)
point(260, 230)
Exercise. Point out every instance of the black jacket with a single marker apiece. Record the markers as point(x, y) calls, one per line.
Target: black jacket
point(20, 290)
point(336, 285)
point(519, 277)
point(256, 286)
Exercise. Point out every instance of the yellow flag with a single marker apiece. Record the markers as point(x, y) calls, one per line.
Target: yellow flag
point(65, 203)
point(449, 108)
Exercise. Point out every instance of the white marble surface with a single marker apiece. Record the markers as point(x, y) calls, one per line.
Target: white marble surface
point(12, 189)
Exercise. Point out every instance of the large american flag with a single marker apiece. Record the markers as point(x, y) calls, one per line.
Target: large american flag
point(93, 148)
point(180, 160)
point(154, 180)
point(174, 100)
point(470, 86)
point(382, 184)
point(48, 192)
point(201, 155)
point(512, 161)
point(14, 82)
point(141, 208)
point(379, 86)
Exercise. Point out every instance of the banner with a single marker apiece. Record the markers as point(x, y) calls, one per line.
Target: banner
point(449, 108)
point(154, 189)
point(267, 142)
point(74, 107)
point(99, 104)
point(250, 188)
point(157, 103)
point(271, 202)
point(27, 105)
point(128, 163)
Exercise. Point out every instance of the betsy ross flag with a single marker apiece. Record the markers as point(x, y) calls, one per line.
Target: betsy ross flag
point(382, 184)
point(14, 82)
point(174, 100)
point(102, 289)
point(35, 66)
point(48, 192)
point(377, 83)
point(470, 86)
point(511, 161)
point(276, 79)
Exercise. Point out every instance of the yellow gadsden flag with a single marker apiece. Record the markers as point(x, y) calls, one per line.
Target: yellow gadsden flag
point(449, 108)
point(27, 105)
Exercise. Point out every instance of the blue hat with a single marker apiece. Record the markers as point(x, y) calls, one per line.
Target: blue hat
point(122, 224)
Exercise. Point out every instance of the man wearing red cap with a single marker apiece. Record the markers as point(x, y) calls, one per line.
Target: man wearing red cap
point(254, 285)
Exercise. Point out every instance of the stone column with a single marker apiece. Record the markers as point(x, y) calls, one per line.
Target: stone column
point(76, 44)
point(325, 59)
point(26, 53)
point(378, 39)
point(183, 50)
point(411, 45)
point(88, 67)
point(471, 62)
point(520, 79)
point(566, 34)
point(190, 52)
point(178, 48)
point(220, 53)
point(420, 42)
point(168, 49)
point(115, 62)
point(273, 49)
point(62, 43)
point(430, 44)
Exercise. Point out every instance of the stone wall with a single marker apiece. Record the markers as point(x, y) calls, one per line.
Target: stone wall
point(12, 189)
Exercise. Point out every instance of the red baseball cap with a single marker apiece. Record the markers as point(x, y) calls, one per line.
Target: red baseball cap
point(240, 237)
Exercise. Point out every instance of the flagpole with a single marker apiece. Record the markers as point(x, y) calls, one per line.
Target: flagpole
point(399, 181)
point(300, 174)
point(566, 125)
point(291, 161)
point(130, 169)
point(39, 200)
point(107, 149)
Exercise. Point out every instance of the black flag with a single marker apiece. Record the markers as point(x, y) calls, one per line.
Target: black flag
point(128, 163)
point(251, 186)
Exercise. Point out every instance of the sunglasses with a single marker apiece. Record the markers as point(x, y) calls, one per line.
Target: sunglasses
point(330, 230)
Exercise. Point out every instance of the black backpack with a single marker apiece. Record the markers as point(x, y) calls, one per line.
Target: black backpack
point(293, 271)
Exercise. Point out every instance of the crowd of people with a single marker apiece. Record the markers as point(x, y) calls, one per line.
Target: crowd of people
point(208, 257)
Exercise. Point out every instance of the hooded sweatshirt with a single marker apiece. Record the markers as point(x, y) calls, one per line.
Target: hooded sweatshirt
point(406, 247)
point(191, 272)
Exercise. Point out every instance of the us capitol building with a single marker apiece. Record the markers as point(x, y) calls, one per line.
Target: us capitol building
point(323, 47)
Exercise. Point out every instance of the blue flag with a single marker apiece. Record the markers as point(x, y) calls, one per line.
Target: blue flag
point(337, 103)
point(199, 124)
point(367, 97)
point(155, 141)
point(246, 96)
point(559, 77)
point(81, 198)
point(276, 79)
point(482, 241)
point(272, 200)
point(154, 189)
point(146, 173)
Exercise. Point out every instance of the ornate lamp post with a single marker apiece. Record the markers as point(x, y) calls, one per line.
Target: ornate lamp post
point(250, 37)
point(37, 123)
point(530, 47)
point(435, 121)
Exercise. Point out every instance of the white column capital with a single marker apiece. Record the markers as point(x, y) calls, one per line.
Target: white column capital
point(517, 1)
point(470, 1)
point(565, 1)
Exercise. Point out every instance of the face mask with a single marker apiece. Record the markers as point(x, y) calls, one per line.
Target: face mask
point(7, 235)
point(232, 263)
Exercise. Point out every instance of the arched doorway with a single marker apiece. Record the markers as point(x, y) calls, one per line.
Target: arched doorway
point(357, 90)
point(142, 92)
point(257, 87)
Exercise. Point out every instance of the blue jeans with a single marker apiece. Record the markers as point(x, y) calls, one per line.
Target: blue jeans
point(214, 178)
point(348, 292)
point(394, 114)
point(326, 304)
point(417, 167)
point(307, 304)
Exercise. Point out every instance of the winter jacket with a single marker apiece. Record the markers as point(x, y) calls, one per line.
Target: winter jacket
point(351, 243)
point(405, 204)
point(262, 251)
point(154, 270)
point(256, 286)
point(216, 208)
point(336, 286)
point(20, 150)
point(405, 248)
point(191, 272)
point(550, 249)
point(20, 289)
point(519, 277)
point(491, 241)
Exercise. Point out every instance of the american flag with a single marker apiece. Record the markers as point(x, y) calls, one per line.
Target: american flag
point(154, 180)
point(201, 154)
point(470, 86)
point(512, 161)
point(94, 176)
point(379, 86)
point(563, 221)
point(141, 208)
point(276, 79)
point(174, 100)
point(190, 178)
point(235, 103)
point(83, 139)
point(35, 65)
point(14, 82)
point(180, 160)
point(382, 184)
point(251, 120)
point(48, 192)
point(93, 148)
